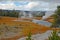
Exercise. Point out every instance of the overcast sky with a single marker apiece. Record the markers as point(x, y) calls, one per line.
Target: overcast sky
point(39, 5)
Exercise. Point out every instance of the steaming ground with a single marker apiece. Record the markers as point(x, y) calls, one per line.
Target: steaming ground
point(48, 14)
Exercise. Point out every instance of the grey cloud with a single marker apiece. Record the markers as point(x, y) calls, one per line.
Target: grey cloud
point(34, 0)
point(42, 5)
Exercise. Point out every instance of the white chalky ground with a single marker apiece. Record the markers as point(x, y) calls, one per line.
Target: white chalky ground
point(42, 36)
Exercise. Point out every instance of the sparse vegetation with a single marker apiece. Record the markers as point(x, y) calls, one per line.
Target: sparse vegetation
point(29, 36)
point(23, 27)
point(54, 36)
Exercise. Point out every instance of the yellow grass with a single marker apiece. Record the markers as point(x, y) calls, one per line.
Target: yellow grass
point(27, 26)
point(50, 19)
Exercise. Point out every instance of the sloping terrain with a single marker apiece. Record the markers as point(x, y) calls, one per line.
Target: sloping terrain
point(50, 19)
point(13, 30)
point(21, 28)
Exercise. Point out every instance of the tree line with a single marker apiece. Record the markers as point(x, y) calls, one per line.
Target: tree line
point(11, 13)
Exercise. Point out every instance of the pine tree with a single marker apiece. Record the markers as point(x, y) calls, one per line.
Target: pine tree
point(56, 16)
point(29, 36)
point(54, 36)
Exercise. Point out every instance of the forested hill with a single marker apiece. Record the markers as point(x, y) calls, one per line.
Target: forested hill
point(15, 13)
point(12, 13)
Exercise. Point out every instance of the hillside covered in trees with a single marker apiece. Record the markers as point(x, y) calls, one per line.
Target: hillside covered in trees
point(11, 13)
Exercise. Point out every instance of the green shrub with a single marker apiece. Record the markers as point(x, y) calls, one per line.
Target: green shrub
point(54, 36)
point(29, 36)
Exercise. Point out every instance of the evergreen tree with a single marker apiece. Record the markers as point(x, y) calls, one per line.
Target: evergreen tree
point(54, 36)
point(29, 36)
point(56, 16)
